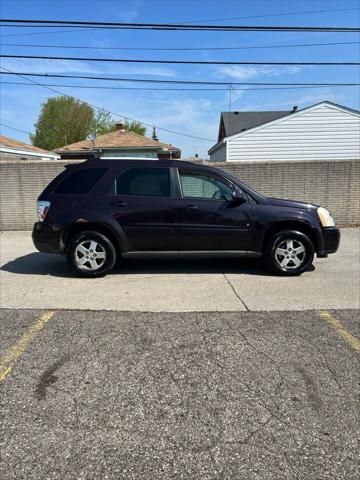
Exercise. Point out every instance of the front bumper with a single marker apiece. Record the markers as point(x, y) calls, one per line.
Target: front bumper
point(330, 241)
point(46, 238)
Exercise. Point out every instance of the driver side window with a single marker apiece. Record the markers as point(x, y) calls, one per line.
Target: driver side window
point(199, 185)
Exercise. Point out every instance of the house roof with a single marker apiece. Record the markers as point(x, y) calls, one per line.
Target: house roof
point(117, 139)
point(234, 122)
point(13, 144)
point(249, 120)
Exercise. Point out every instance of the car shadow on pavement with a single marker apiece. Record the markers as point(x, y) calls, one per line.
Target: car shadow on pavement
point(39, 264)
point(55, 265)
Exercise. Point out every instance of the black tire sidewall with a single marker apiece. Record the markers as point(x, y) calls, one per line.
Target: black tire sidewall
point(105, 243)
point(274, 242)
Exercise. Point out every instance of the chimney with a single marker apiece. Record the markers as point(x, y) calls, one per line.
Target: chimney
point(120, 126)
point(294, 109)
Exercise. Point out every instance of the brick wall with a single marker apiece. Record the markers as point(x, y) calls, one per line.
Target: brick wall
point(20, 185)
point(14, 157)
point(333, 184)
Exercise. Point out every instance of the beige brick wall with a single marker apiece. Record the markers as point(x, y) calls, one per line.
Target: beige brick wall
point(20, 185)
point(333, 184)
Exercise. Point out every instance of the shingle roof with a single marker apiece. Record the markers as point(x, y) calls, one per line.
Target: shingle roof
point(235, 122)
point(116, 139)
point(16, 145)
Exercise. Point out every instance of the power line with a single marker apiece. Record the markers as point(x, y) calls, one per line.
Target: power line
point(58, 92)
point(306, 12)
point(177, 62)
point(200, 21)
point(12, 128)
point(47, 32)
point(172, 26)
point(181, 49)
point(103, 87)
point(178, 82)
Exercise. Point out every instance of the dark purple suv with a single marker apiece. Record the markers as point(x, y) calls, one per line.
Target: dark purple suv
point(101, 210)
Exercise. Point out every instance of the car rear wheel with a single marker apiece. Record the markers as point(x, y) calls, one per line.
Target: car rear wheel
point(289, 253)
point(91, 254)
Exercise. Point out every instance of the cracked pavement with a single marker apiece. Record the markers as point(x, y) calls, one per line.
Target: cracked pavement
point(192, 395)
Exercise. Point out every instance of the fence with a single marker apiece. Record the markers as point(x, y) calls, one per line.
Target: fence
point(333, 184)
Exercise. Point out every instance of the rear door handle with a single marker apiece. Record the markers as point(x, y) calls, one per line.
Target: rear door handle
point(192, 207)
point(118, 203)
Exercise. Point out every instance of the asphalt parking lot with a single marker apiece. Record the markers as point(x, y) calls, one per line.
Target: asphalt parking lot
point(30, 279)
point(234, 395)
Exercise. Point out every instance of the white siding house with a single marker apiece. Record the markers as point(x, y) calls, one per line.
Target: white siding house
point(219, 154)
point(324, 131)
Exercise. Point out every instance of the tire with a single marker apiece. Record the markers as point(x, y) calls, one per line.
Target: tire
point(289, 253)
point(91, 254)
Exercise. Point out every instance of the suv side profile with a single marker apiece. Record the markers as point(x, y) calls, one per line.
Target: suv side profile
point(99, 211)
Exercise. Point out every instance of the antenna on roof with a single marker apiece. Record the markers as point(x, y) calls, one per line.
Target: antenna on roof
point(92, 138)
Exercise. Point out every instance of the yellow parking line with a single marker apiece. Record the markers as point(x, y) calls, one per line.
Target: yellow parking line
point(14, 353)
point(353, 341)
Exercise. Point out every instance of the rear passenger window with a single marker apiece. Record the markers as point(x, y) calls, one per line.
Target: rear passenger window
point(148, 182)
point(80, 182)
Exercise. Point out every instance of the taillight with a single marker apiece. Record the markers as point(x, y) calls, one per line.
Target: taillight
point(42, 209)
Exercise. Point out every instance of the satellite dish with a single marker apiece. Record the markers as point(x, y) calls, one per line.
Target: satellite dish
point(92, 137)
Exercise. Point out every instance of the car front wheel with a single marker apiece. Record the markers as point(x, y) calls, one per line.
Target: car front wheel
point(91, 254)
point(289, 253)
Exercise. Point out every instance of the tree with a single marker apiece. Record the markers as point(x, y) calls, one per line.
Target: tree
point(154, 136)
point(103, 123)
point(136, 127)
point(62, 121)
point(66, 120)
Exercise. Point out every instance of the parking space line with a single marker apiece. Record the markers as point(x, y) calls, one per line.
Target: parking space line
point(353, 341)
point(8, 360)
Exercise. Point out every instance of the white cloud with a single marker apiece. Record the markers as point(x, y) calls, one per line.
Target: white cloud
point(197, 117)
point(288, 100)
point(72, 67)
point(131, 13)
point(239, 72)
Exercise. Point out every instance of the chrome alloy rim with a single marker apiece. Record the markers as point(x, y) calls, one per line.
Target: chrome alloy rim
point(90, 255)
point(290, 254)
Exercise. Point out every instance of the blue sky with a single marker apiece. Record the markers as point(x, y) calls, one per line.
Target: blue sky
point(191, 112)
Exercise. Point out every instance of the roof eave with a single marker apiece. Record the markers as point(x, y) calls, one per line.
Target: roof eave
point(217, 145)
point(135, 147)
point(18, 151)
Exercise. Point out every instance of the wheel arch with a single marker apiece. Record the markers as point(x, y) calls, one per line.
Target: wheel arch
point(297, 225)
point(74, 228)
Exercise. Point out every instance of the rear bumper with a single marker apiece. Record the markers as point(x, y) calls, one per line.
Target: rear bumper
point(330, 241)
point(46, 238)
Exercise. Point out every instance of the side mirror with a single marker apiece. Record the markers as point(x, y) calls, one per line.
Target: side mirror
point(238, 197)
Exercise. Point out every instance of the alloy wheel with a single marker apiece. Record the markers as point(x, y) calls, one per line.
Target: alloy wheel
point(90, 255)
point(290, 254)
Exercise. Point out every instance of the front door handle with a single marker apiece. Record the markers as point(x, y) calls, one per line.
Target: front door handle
point(192, 207)
point(118, 203)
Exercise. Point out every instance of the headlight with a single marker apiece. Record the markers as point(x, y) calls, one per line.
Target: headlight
point(326, 219)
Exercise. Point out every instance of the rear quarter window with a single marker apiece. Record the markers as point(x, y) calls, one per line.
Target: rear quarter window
point(80, 182)
point(148, 182)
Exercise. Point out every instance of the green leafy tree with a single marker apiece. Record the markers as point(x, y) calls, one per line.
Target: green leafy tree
point(62, 121)
point(103, 123)
point(66, 120)
point(136, 127)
